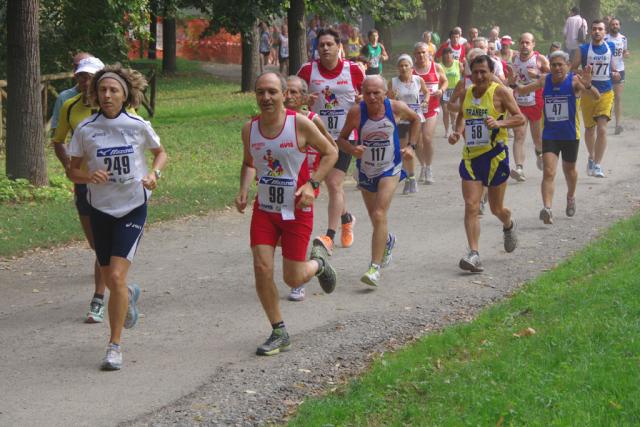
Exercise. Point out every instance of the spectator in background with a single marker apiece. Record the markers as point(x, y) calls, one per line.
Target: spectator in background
point(283, 50)
point(275, 45)
point(265, 45)
point(427, 37)
point(554, 47)
point(68, 93)
point(575, 31)
point(473, 34)
point(494, 36)
point(312, 39)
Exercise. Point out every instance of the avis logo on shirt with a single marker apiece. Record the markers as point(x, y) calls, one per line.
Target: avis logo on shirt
point(343, 82)
point(287, 144)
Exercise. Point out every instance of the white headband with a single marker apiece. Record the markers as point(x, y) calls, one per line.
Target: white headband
point(116, 77)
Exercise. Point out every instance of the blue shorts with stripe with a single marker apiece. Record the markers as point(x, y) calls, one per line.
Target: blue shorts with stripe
point(492, 167)
point(117, 236)
point(371, 184)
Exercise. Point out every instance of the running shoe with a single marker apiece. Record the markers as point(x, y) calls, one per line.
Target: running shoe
point(407, 186)
point(471, 262)
point(113, 359)
point(518, 174)
point(546, 216)
point(297, 294)
point(590, 166)
point(96, 311)
point(539, 162)
point(571, 206)
point(386, 258)
point(421, 177)
point(618, 130)
point(372, 276)
point(414, 186)
point(482, 207)
point(278, 341)
point(428, 176)
point(132, 311)
point(510, 237)
point(597, 171)
point(346, 233)
point(322, 243)
point(326, 274)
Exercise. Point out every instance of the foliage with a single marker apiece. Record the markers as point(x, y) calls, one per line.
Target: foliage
point(239, 16)
point(21, 190)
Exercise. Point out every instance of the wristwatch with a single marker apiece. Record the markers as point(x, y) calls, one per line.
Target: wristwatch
point(157, 173)
point(314, 184)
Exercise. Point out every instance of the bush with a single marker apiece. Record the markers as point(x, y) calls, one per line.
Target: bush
point(21, 190)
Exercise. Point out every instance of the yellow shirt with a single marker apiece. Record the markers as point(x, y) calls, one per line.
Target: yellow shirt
point(72, 113)
point(479, 139)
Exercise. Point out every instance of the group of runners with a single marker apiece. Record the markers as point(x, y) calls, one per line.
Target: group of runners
point(310, 127)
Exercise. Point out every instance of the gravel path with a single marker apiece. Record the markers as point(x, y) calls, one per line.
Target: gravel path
point(191, 358)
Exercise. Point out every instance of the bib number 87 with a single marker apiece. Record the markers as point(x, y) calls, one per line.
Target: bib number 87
point(276, 195)
point(332, 122)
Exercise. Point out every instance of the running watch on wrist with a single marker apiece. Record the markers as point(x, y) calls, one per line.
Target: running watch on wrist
point(314, 184)
point(157, 173)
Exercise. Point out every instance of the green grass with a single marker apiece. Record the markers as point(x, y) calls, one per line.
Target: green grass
point(199, 120)
point(581, 368)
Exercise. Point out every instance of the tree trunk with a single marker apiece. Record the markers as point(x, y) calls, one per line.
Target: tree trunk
point(250, 58)
point(153, 29)
point(447, 18)
point(465, 13)
point(297, 36)
point(590, 10)
point(432, 9)
point(169, 45)
point(25, 130)
point(384, 30)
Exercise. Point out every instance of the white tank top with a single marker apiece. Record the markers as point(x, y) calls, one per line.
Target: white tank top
point(280, 167)
point(409, 93)
point(600, 63)
point(335, 97)
point(620, 42)
point(522, 77)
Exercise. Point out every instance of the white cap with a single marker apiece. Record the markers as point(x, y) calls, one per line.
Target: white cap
point(89, 65)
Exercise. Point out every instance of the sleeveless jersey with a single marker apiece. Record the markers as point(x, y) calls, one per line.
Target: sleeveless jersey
point(381, 142)
point(409, 93)
point(479, 139)
point(353, 47)
point(375, 55)
point(620, 43)
point(116, 145)
point(335, 97)
point(281, 168)
point(431, 79)
point(561, 119)
point(453, 77)
point(456, 53)
point(520, 68)
point(600, 58)
point(284, 46)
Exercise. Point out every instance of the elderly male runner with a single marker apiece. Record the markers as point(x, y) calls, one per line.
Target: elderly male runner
point(275, 154)
point(528, 66)
point(596, 113)
point(561, 92)
point(295, 97)
point(482, 124)
point(379, 161)
point(334, 85)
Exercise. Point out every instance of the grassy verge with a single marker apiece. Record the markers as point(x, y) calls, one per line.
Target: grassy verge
point(198, 120)
point(581, 367)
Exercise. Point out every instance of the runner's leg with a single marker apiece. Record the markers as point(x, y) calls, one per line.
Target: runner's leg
point(548, 176)
point(472, 193)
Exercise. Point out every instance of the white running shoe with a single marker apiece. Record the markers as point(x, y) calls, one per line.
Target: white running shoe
point(297, 294)
point(113, 359)
point(518, 174)
point(471, 262)
point(407, 186)
point(414, 186)
point(372, 276)
point(597, 171)
point(428, 176)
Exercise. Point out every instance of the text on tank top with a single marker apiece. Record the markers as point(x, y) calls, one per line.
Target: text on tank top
point(380, 141)
point(335, 97)
point(560, 110)
point(280, 167)
point(478, 137)
point(409, 93)
point(522, 77)
point(432, 80)
point(600, 63)
point(620, 43)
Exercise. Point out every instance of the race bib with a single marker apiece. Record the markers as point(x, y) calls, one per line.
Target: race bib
point(277, 195)
point(447, 95)
point(415, 107)
point(476, 133)
point(118, 163)
point(377, 158)
point(600, 71)
point(333, 120)
point(556, 109)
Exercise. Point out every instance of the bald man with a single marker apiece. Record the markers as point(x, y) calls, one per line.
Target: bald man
point(379, 163)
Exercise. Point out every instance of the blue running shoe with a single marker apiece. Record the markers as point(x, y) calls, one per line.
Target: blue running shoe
point(386, 258)
point(132, 311)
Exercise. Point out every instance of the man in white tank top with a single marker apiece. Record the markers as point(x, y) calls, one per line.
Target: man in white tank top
point(275, 157)
point(528, 66)
point(620, 52)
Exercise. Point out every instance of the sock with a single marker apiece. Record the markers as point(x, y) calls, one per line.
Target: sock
point(376, 266)
point(114, 345)
point(411, 176)
point(475, 252)
point(320, 262)
point(346, 218)
point(279, 325)
point(518, 166)
point(99, 296)
point(331, 234)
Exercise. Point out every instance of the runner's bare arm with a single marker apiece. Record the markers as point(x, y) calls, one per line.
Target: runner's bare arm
point(79, 176)
point(390, 93)
point(544, 64)
point(443, 82)
point(577, 59)
point(247, 171)
point(402, 112)
point(425, 91)
point(150, 181)
point(582, 84)
point(457, 96)
point(503, 100)
point(458, 129)
point(320, 125)
point(352, 122)
point(384, 55)
point(531, 87)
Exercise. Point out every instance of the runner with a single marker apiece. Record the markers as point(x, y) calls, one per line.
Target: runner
point(433, 75)
point(561, 132)
point(354, 44)
point(528, 66)
point(379, 162)
point(455, 44)
point(619, 53)
point(112, 143)
point(427, 37)
point(409, 89)
point(505, 51)
point(275, 155)
point(483, 44)
point(485, 157)
point(597, 112)
point(473, 35)
point(334, 85)
point(283, 50)
point(295, 98)
point(265, 45)
point(72, 113)
point(67, 93)
point(453, 71)
point(373, 53)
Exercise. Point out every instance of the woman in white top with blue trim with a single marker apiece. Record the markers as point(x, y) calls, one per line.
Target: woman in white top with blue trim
point(113, 142)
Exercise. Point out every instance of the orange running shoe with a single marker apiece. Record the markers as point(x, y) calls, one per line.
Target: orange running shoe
point(323, 242)
point(346, 235)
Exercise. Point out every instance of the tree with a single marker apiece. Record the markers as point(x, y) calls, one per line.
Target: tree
point(590, 10)
point(448, 17)
point(153, 28)
point(169, 63)
point(25, 133)
point(465, 15)
point(297, 35)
